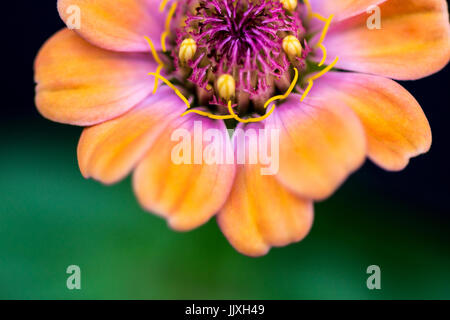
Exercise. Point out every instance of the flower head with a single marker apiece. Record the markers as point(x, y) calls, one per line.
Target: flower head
point(140, 74)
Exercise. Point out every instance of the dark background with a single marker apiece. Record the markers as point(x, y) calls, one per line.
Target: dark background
point(50, 217)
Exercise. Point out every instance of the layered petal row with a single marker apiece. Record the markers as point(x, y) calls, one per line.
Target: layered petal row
point(80, 84)
point(110, 150)
point(394, 123)
point(260, 212)
point(185, 177)
point(119, 25)
point(321, 143)
point(413, 41)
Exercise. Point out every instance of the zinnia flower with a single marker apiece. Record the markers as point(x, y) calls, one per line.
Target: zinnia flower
point(220, 62)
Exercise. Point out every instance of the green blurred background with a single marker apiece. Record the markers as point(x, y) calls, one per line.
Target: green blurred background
point(50, 217)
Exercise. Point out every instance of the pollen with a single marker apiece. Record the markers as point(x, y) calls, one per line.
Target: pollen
point(290, 5)
point(292, 46)
point(187, 49)
point(226, 86)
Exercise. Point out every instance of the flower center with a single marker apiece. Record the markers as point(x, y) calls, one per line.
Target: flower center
point(234, 50)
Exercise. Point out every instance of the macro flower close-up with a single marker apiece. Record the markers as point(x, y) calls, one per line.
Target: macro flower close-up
point(320, 73)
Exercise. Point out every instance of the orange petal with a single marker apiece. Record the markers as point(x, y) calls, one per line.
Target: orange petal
point(186, 193)
point(342, 9)
point(395, 125)
point(260, 212)
point(110, 150)
point(80, 84)
point(413, 42)
point(321, 143)
point(118, 25)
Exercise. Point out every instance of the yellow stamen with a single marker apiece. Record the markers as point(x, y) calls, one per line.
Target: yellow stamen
point(157, 59)
point(170, 15)
point(187, 50)
point(268, 102)
point(167, 26)
point(235, 116)
point(308, 6)
point(226, 86)
point(290, 5)
point(288, 92)
point(317, 76)
point(292, 47)
point(152, 48)
point(158, 71)
point(186, 101)
point(163, 5)
point(207, 114)
point(163, 40)
point(177, 92)
point(321, 46)
point(322, 38)
point(324, 31)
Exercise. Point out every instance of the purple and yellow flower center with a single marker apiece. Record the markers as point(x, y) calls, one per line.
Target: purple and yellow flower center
point(242, 39)
point(232, 58)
